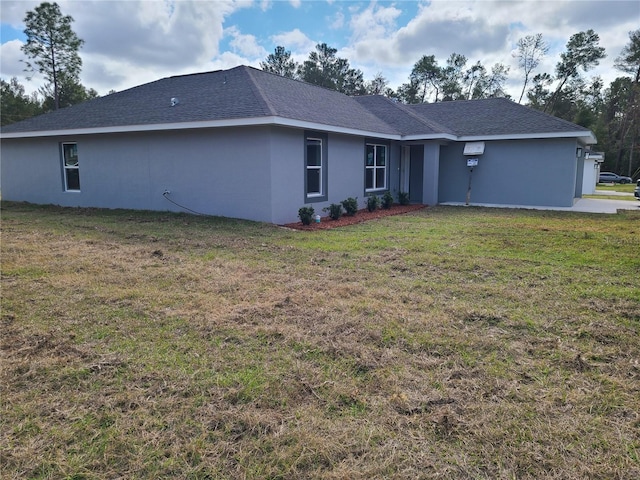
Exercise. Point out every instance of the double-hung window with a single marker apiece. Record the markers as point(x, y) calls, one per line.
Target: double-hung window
point(315, 166)
point(70, 167)
point(376, 167)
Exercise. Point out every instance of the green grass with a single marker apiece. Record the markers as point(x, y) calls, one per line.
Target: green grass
point(446, 343)
point(612, 197)
point(617, 187)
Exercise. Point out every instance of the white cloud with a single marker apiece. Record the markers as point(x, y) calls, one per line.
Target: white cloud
point(294, 39)
point(485, 31)
point(228, 60)
point(336, 21)
point(375, 22)
point(12, 65)
point(131, 42)
point(265, 5)
point(13, 12)
point(11, 59)
point(245, 44)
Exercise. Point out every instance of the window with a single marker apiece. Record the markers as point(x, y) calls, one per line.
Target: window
point(315, 167)
point(376, 167)
point(70, 167)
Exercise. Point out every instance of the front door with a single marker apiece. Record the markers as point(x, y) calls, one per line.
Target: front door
point(417, 168)
point(405, 169)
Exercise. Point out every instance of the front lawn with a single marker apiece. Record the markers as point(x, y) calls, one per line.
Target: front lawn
point(449, 342)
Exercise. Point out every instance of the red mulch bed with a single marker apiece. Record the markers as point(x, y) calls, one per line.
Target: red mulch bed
point(360, 216)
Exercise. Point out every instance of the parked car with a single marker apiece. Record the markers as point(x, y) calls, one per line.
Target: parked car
point(636, 192)
point(609, 177)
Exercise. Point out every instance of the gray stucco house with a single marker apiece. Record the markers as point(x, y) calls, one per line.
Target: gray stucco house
point(249, 144)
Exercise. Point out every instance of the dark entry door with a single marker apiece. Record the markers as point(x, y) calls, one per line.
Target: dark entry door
point(417, 170)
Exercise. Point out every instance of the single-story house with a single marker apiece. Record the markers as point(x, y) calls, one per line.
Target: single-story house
point(592, 163)
point(249, 144)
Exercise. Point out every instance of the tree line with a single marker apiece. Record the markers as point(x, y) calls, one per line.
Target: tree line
point(611, 112)
point(52, 50)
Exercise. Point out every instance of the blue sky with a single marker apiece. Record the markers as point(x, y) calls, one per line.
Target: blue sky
point(131, 42)
point(325, 21)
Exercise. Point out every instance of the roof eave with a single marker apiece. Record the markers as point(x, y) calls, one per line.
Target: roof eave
point(586, 137)
point(430, 136)
point(235, 122)
point(286, 122)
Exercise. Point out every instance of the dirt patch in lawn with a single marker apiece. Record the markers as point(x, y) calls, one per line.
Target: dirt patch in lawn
point(359, 217)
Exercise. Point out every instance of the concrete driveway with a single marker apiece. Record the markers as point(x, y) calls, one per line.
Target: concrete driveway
point(596, 205)
point(588, 205)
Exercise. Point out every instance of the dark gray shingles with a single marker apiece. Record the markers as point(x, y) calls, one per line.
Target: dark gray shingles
point(245, 92)
point(493, 116)
point(301, 101)
point(400, 116)
point(207, 96)
point(241, 92)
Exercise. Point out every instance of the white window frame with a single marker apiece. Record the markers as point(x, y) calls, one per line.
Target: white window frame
point(375, 167)
point(320, 193)
point(66, 168)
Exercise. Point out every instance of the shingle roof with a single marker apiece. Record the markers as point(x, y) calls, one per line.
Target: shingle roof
point(241, 92)
point(305, 102)
point(247, 93)
point(493, 116)
point(401, 117)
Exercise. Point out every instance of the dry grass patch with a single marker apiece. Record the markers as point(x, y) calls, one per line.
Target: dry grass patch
point(446, 343)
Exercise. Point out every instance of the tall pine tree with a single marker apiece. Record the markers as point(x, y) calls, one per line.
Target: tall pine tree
point(52, 46)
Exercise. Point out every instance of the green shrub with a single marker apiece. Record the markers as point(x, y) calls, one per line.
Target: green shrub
point(350, 206)
point(372, 203)
point(387, 200)
point(403, 198)
point(335, 211)
point(306, 215)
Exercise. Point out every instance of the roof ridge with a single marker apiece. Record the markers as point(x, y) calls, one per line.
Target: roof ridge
point(193, 74)
point(258, 91)
point(298, 80)
point(383, 120)
point(428, 122)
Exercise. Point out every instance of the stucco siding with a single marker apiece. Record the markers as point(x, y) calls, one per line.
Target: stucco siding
point(32, 171)
point(219, 172)
point(590, 176)
point(345, 172)
point(523, 172)
point(287, 174)
point(258, 173)
point(251, 173)
point(215, 172)
point(346, 168)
